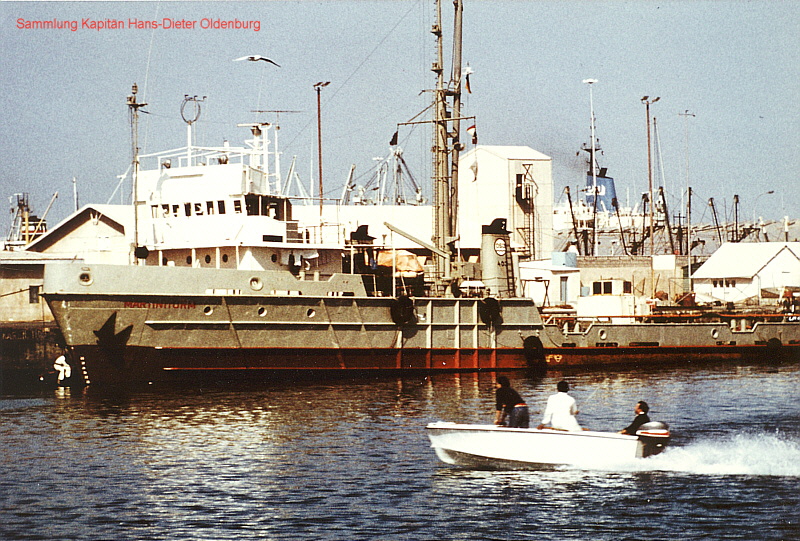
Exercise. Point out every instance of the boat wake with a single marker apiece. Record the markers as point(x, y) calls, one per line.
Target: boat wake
point(745, 454)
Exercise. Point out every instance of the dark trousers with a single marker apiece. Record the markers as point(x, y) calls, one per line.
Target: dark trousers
point(519, 417)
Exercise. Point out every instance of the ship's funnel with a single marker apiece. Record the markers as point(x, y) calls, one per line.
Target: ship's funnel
point(497, 269)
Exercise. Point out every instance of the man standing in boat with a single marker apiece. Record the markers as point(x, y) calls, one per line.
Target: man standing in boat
point(561, 410)
point(510, 404)
point(641, 418)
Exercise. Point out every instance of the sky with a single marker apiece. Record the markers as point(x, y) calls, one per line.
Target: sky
point(734, 66)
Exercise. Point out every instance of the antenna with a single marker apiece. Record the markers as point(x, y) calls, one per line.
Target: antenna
point(190, 113)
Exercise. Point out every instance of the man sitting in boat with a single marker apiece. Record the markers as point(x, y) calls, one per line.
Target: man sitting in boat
point(641, 418)
point(561, 410)
point(510, 404)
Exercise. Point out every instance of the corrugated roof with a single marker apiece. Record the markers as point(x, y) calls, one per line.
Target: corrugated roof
point(743, 259)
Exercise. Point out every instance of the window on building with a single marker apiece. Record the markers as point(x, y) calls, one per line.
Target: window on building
point(627, 287)
point(563, 290)
point(33, 294)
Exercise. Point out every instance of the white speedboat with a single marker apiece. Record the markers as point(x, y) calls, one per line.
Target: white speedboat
point(499, 446)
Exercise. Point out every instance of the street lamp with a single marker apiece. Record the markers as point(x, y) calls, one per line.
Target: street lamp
point(593, 163)
point(647, 101)
point(318, 87)
point(756, 203)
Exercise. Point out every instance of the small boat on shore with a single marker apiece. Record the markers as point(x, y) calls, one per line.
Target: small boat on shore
point(502, 447)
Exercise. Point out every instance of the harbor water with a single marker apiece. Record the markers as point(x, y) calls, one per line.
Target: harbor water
point(350, 459)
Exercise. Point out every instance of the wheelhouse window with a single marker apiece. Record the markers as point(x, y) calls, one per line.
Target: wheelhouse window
point(209, 207)
point(237, 206)
point(627, 287)
point(221, 207)
point(251, 202)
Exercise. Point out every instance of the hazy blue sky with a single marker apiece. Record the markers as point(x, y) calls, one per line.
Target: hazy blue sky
point(733, 64)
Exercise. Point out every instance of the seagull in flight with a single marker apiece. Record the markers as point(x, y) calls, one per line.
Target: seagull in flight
point(256, 58)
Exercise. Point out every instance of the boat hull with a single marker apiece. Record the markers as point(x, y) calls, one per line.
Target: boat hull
point(502, 447)
point(142, 325)
point(129, 324)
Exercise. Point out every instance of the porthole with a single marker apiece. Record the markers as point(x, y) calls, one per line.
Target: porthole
point(603, 334)
point(208, 259)
point(311, 312)
point(224, 258)
point(256, 284)
point(714, 334)
point(274, 258)
point(85, 278)
point(208, 310)
point(262, 311)
point(188, 260)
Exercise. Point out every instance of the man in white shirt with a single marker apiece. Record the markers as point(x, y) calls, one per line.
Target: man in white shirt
point(561, 410)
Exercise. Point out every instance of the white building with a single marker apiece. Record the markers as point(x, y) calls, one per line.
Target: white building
point(513, 182)
point(749, 272)
point(552, 282)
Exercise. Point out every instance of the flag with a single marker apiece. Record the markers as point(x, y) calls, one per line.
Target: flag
point(469, 90)
point(473, 132)
point(393, 140)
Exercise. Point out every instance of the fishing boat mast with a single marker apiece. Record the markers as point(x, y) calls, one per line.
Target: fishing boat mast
point(139, 252)
point(446, 145)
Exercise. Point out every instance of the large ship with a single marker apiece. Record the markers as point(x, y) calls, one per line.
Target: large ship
point(224, 283)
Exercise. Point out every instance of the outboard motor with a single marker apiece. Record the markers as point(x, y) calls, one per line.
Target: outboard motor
point(654, 437)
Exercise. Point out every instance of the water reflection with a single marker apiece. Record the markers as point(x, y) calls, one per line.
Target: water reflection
point(350, 460)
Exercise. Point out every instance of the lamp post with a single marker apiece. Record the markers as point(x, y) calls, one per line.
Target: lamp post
point(756, 203)
point(647, 101)
point(593, 163)
point(318, 87)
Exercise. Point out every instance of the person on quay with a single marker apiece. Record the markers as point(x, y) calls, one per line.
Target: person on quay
point(510, 405)
point(561, 410)
point(641, 418)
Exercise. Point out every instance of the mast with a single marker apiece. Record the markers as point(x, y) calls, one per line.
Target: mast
point(574, 223)
point(455, 92)
point(133, 107)
point(441, 200)
point(445, 157)
point(593, 164)
point(716, 220)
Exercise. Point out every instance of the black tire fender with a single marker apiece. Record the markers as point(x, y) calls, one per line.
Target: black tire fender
point(490, 311)
point(402, 310)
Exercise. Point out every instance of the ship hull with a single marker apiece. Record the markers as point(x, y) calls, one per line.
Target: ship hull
point(127, 325)
point(137, 365)
point(147, 324)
